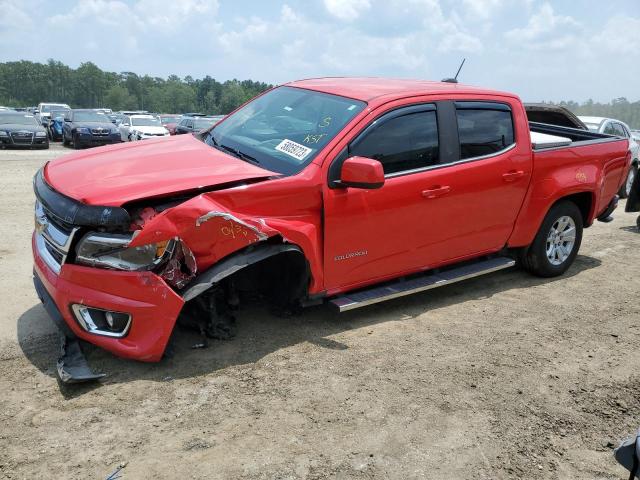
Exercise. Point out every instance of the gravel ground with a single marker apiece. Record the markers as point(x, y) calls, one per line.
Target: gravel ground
point(506, 376)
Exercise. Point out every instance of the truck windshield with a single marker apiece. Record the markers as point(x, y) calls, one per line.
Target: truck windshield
point(48, 108)
point(284, 129)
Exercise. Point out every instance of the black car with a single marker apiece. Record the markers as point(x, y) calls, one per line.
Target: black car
point(88, 128)
point(19, 129)
point(195, 124)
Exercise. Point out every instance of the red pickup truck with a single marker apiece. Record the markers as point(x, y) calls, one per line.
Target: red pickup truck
point(345, 190)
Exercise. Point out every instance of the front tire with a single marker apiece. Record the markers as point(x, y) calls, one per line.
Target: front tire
point(557, 242)
point(75, 142)
point(625, 189)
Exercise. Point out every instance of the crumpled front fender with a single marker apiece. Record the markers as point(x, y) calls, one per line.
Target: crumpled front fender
point(209, 230)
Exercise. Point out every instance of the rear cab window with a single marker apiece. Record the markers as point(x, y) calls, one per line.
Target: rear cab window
point(484, 128)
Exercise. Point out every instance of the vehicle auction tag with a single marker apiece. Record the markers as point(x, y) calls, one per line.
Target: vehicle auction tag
point(293, 149)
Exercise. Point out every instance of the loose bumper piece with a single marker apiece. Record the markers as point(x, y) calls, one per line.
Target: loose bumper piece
point(72, 366)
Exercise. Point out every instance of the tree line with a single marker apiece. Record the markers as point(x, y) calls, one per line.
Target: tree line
point(618, 108)
point(24, 84)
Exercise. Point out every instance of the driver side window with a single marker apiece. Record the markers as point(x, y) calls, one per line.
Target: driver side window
point(401, 143)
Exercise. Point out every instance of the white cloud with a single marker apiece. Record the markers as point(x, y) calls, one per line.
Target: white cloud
point(347, 9)
point(13, 16)
point(481, 9)
point(546, 31)
point(620, 35)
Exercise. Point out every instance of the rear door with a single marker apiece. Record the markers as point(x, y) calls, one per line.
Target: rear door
point(446, 197)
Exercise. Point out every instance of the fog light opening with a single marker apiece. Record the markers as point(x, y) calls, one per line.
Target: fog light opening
point(102, 322)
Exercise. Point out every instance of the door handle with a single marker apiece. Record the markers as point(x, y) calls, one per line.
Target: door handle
point(436, 191)
point(512, 175)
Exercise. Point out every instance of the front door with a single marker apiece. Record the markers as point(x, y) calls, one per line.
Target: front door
point(439, 203)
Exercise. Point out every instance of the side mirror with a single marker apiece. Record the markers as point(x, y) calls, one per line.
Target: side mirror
point(361, 172)
point(124, 124)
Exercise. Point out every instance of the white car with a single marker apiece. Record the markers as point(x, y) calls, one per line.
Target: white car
point(611, 126)
point(45, 109)
point(141, 127)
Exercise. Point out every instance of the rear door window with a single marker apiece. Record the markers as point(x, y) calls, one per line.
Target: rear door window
point(483, 128)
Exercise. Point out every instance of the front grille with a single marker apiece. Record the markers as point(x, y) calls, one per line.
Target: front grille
point(53, 239)
point(22, 138)
point(100, 132)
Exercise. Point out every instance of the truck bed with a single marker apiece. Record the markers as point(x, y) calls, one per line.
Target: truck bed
point(566, 136)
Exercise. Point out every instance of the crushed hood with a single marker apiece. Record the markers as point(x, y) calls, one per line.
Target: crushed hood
point(118, 174)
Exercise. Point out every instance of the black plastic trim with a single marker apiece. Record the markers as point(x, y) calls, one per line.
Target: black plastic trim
point(72, 212)
point(474, 105)
point(448, 137)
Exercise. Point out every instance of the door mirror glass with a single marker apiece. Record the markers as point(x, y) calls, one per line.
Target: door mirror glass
point(361, 172)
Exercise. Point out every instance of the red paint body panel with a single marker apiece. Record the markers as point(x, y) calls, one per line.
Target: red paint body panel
point(121, 173)
point(404, 231)
point(596, 169)
point(403, 227)
point(153, 305)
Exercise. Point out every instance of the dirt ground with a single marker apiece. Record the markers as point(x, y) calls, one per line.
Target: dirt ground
point(506, 376)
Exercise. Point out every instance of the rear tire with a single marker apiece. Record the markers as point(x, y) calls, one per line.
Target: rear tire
point(625, 189)
point(557, 242)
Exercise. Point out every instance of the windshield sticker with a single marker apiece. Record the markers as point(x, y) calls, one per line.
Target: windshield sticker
point(293, 149)
point(351, 107)
point(288, 109)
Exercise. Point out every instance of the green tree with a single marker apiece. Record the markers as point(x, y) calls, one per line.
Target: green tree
point(119, 98)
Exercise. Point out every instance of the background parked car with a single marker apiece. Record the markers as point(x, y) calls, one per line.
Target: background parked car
point(170, 122)
point(611, 126)
point(88, 128)
point(19, 129)
point(141, 127)
point(55, 124)
point(195, 124)
point(43, 111)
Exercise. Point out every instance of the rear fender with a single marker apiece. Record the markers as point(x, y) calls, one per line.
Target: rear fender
point(545, 192)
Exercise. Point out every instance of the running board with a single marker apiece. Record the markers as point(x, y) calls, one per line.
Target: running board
point(428, 281)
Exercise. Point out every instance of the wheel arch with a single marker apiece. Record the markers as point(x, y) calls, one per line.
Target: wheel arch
point(527, 227)
point(247, 257)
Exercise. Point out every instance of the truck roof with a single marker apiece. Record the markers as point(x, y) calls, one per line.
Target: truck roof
point(369, 88)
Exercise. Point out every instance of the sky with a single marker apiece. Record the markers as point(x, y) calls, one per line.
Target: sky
point(539, 49)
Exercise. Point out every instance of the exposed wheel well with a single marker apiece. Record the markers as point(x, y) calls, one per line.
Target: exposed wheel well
point(277, 270)
point(583, 200)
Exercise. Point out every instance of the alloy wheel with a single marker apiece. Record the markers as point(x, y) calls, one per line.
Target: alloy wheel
point(561, 240)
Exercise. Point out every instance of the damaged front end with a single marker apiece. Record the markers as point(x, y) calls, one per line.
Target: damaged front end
point(121, 277)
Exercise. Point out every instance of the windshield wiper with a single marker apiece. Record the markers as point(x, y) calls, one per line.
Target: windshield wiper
point(237, 153)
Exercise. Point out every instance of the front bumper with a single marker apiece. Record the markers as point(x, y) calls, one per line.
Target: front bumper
point(91, 140)
point(24, 141)
point(152, 304)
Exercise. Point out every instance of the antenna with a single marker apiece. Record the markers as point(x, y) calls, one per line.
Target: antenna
point(455, 79)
